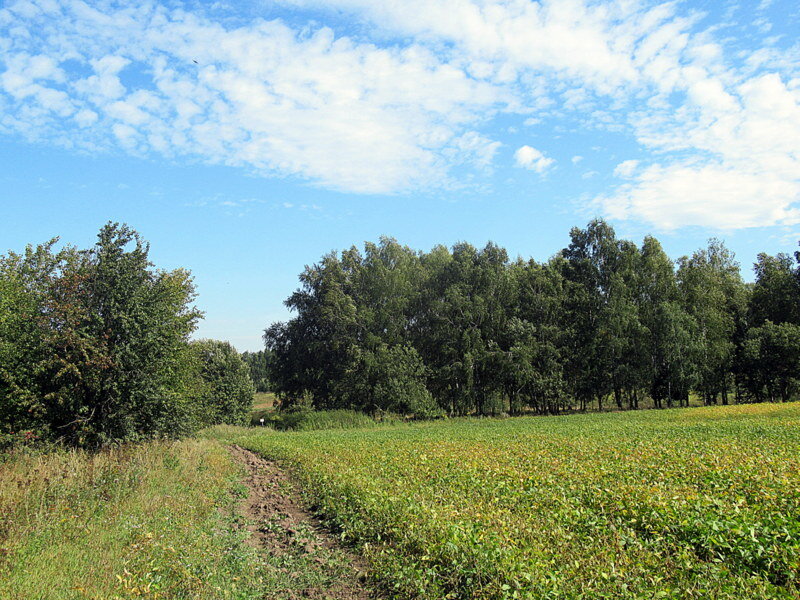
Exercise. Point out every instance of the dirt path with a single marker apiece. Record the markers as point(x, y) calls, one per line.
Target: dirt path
point(295, 538)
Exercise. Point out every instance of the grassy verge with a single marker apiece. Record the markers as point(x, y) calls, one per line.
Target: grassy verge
point(312, 420)
point(264, 404)
point(148, 521)
point(697, 503)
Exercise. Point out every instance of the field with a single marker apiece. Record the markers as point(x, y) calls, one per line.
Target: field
point(263, 406)
point(159, 521)
point(692, 503)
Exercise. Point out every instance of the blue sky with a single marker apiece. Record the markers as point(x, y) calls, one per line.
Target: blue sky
point(244, 140)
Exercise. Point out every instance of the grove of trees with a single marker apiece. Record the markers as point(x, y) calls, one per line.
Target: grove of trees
point(258, 363)
point(94, 347)
point(469, 331)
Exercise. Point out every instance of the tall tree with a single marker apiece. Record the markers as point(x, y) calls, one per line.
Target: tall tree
point(596, 287)
point(534, 371)
point(668, 338)
point(225, 392)
point(714, 295)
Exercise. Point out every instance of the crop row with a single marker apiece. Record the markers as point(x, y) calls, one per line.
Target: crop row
point(693, 503)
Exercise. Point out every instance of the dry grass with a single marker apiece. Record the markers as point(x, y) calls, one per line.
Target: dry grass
point(141, 521)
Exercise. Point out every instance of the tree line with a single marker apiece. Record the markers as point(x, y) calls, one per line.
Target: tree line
point(602, 323)
point(258, 363)
point(94, 347)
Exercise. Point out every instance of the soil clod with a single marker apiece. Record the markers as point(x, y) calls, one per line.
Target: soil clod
point(283, 527)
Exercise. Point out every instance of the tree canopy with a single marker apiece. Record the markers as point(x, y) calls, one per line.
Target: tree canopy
point(465, 330)
point(94, 343)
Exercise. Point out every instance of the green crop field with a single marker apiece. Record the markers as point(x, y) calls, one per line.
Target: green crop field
point(692, 503)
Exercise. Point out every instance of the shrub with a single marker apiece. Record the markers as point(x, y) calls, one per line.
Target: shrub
point(93, 343)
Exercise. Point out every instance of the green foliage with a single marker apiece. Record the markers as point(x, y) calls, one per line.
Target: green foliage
point(776, 293)
point(466, 331)
point(692, 503)
point(772, 354)
point(305, 419)
point(226, 393)
point(94, 347)
point(390, 379)
point(258, 362)
point(714, 296)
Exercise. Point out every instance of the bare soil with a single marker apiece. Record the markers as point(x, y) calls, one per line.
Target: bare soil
point(282, 525)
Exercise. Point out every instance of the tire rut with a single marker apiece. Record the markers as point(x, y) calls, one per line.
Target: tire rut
point(283, 527)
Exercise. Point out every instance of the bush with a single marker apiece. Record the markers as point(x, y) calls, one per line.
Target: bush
point(304, 419)
point(390, 379)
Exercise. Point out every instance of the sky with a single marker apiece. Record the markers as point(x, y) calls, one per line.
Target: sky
point(244, 140)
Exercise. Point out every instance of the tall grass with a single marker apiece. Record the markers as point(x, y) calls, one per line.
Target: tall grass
point(148, 521)
point(315, 420)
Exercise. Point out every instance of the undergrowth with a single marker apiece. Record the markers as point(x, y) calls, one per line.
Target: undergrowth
point(155, 521)
point(302, 419)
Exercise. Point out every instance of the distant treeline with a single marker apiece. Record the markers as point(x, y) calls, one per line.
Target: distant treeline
point(257, 362)
point(468, 331)
point(94, 348)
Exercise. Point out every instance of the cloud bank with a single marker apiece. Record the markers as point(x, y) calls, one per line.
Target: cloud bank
point(718, 130)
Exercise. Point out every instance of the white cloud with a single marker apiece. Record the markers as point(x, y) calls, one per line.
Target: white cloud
point(346, 115)
point(680, 86)
point(748, 174)
point(530, 158)
point(475, 148)
point(85, 117)
point(576, 159)
point(626, 168)
point(398, 114)
point(705, 195)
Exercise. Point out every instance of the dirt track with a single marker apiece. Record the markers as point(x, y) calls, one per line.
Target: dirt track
point(282, 525)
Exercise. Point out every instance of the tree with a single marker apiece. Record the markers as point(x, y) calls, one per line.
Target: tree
point(480, 335)
point(109, 359)
point(258, 363)
point(534, 371)
point(226, 393)
point(776, 292)
point(599, 313)
point(668, 339)
point(391, 379)
point(772, 352)
point(26, 283)
point(714, 295)
point(767, 364)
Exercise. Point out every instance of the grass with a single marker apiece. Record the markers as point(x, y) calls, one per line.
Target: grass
point(148, 521)
point(691, 503)
point(694, 503)
point(315, 420)
point(264, 401)
point(264, 404)
point(312, 420)
point(155, 521)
